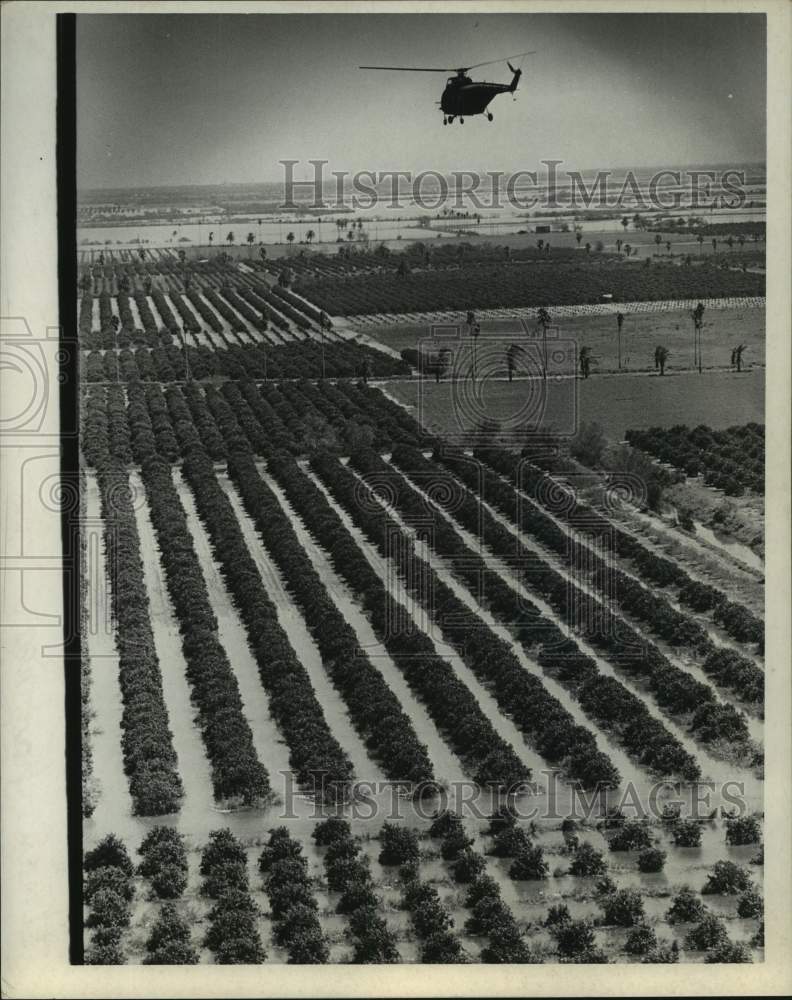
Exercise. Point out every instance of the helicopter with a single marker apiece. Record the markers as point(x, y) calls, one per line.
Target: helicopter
point(463, 96)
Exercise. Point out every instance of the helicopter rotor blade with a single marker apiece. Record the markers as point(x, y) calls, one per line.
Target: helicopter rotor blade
point(505, 59)
point(412, 69)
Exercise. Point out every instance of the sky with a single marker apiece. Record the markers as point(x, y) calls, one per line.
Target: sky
point(166, 99)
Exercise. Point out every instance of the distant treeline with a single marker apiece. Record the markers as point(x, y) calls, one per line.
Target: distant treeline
point(731, 229)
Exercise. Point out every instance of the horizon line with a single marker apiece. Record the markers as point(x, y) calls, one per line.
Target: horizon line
point(239, 184)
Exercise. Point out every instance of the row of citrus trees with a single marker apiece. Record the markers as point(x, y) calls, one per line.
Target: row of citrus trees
point(109, 889)
point(447, 698)
point(233, 920)
point(303, 359)
point(374, 710)
point(149, 757)
point(603, 698)
point(675, 691)
point(579, 543)
point(501, 286)
point(731, 460)
point(487, 754)
point(532, 478)
point(520, 695)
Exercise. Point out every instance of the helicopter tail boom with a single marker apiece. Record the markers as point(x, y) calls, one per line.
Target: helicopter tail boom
point(515, 79)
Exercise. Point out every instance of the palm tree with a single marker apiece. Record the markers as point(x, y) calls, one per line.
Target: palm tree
point(584, 358)
point(618, 246)
point(697, 315)
point(741, 240)
point(658, 240)
point(619, 325)
point(578, 237)
point(310, 235)
point(730, 242)
point(627, 249)
point(230, 238)
point(588, 248)
point(714, 245)
point(661, 356)
point(625, 222)
point(543, 318)
point(540, 243)
point(290, 238)
point(700, 241)
point(262, 253)
point(668, 247)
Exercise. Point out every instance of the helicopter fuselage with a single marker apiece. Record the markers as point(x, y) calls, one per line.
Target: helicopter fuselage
point(463, 96)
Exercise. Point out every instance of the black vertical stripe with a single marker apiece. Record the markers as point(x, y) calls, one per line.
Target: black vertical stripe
point(69, 426)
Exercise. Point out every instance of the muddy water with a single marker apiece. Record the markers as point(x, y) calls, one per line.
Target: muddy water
point(445, 764)
point(712, 768)
point(733, 549)
point(193, 764)
point(112, 789)
point(133, 308)
point(155, 312)
point(704, 546)
point(530, 900)
point(301, 641)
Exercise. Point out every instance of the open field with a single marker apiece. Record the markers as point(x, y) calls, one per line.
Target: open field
point(723, 330)
point(616, 402)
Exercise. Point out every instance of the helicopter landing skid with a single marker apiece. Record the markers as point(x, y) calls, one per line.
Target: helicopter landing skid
point(449, 119)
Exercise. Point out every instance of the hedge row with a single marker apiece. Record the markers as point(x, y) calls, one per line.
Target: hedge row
point(374, 709)
point(675, 690)
point(107, 892)
point(450, 703)
point(316, 756)
point(150, 761)
point(649, 607)
point(534, 483)
point(490, 917)
point(237, 774)
point(292, 900)
point(641, 735)
point(348, 874)
point(520, 695)
point(233, 934)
